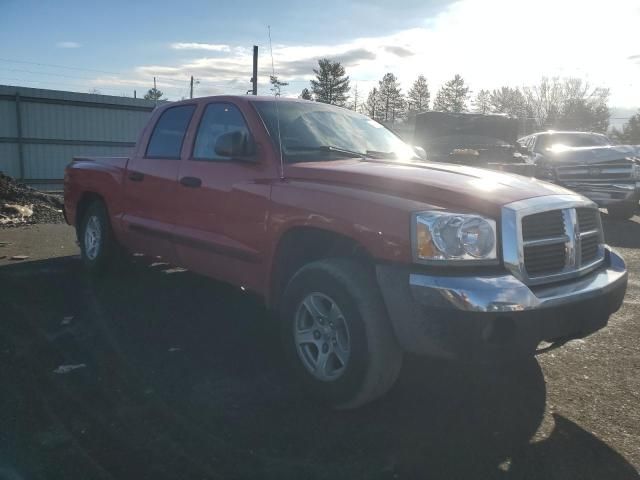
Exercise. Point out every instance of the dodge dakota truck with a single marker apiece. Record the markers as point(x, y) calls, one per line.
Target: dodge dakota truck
point(588, 163)
point(362, 250)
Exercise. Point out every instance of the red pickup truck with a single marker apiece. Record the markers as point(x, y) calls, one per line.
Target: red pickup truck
point(363, 249)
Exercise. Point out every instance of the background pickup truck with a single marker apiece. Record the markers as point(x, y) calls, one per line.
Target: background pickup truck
point(588, 163)
point(363, 250)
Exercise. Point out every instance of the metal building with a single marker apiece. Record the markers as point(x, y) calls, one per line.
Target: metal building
point(41, 130)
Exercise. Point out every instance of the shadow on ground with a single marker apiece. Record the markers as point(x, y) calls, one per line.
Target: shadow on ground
point(621, 233)
point(181, 377)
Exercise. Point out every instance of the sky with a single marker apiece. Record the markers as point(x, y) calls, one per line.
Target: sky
point(118, 46)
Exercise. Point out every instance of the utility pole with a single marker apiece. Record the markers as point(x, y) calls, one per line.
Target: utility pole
point(155, 91)
point(191, 88)
point(254, 79)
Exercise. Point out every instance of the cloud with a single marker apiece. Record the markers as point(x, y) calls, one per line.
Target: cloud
point(305, 66)
point(440, 48)
point(212, 47)
point(68, 45)
point(399, 51)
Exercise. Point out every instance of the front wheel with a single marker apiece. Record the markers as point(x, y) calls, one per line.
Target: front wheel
point(336, 334)
point(623, 210)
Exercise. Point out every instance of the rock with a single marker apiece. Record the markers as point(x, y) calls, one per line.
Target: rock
point(19, 210)
point(63, 369)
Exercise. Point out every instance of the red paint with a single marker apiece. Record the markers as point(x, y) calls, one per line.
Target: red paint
point(229, 228)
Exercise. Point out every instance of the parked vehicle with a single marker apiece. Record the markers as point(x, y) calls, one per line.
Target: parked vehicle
point(364, 251)
point(589, 164)
point(487, 141)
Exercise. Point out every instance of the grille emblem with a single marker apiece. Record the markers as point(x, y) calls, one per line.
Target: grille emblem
point(595, 171)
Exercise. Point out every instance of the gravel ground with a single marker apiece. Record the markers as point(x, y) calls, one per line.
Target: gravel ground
point(22, 205)
point(158, 373)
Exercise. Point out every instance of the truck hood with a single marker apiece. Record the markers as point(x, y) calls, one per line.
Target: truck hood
point(438, 184)
point(590, 155)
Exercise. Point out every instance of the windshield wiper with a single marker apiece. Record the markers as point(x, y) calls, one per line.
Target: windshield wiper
point(381, 155)
point(331, 148)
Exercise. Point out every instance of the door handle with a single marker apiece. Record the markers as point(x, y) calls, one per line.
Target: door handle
point(136, 176)
point(192, 182)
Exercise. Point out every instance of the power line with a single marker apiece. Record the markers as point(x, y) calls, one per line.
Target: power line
point(51, 65)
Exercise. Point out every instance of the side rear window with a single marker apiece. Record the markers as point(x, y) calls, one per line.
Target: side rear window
point(168, 133)
point(218, 119)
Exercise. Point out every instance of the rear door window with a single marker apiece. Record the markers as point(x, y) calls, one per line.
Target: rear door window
point(168, 133)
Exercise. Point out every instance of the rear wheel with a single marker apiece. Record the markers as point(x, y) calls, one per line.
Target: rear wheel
point(98, 247)
point(623, 210)
point(336, 334)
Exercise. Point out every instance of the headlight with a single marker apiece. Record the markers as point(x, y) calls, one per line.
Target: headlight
point(454, 237)
point(635, 171)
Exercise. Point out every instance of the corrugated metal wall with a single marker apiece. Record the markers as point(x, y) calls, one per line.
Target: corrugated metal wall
point(40, 130)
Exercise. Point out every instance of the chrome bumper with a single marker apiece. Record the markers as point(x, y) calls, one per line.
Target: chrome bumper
point(505, 293)
point(604, 193)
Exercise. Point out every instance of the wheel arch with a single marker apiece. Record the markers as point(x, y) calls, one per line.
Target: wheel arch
point(300, 245)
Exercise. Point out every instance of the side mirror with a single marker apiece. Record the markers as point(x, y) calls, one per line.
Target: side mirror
point(420, 152)
point(236, 145)
point(522, 149)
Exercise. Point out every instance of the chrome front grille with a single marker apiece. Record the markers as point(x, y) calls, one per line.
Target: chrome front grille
point(544, 236)
point(552, 238)
point(596, 172)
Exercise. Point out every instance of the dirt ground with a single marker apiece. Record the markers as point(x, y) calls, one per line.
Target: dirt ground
point(158, 373)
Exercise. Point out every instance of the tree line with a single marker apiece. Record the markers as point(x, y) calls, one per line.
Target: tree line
point(553, 103)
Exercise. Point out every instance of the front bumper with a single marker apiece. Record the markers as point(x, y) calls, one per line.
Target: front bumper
point(474, 317)
point(605, 194)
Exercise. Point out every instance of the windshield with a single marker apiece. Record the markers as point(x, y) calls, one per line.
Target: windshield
point(557, 141)
point(310, 129)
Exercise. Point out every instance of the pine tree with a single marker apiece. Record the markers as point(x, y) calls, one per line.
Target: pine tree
point(373, 107)
point(391, 98)
point(153, 94)
point(418, 96)
point(331, 84)
point(482, 102)
point(453, 96)
point(510, 101)
point(276, 84)
point(306, 94)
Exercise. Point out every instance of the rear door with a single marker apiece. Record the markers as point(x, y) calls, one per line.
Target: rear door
point(223, 201)
point(151, 183)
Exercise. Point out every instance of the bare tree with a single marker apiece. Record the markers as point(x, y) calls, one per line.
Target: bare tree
point(569, 104)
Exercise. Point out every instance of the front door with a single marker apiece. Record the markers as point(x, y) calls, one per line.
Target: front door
point(223, 202)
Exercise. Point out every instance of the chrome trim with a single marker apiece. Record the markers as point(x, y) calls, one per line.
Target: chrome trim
point(505, 293)
point(546, 241)
point(513, 245)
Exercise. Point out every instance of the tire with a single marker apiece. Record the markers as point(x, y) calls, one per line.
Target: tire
point(98, 247)
point(369, 365)
point(623, 210)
